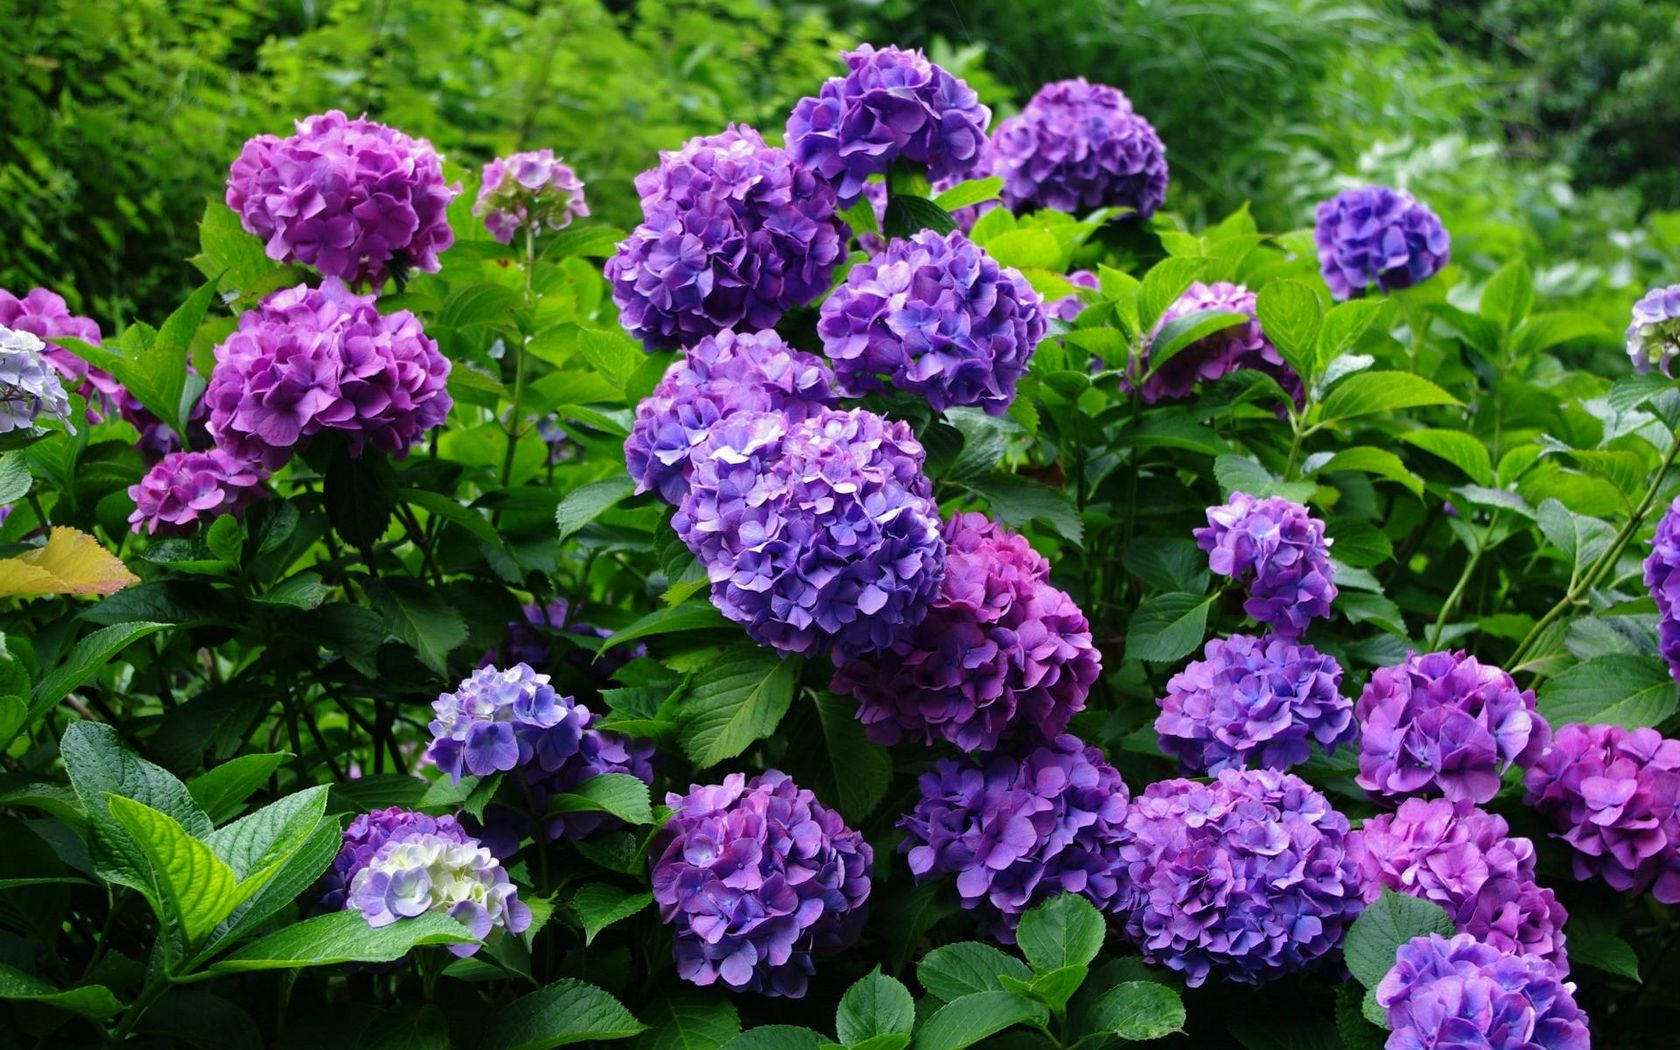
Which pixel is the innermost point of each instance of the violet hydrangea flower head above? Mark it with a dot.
(1247, 878)
(308, 360)
(417, 871)
(533, 188)
(45, 315)
(1019, 826)
(184, 490)
(733, 235)
(363, 838)
(1662, 579)
(1444, 723)
(1377, 235)
(496, 720)
(1070, 306)
(756, 879)
(891, 105)
(1278, 550)
(1653, 333)
(1001, 652)
(818, 535)
(1467, 861)
(1254, 702)
(29, 386)
(1460, 994)
(721, 374)
(1077, 146)
(1217, 354)
(353, 198)
(936, 316)
(1613, 795)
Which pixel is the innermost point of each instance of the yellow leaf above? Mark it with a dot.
(72, 562)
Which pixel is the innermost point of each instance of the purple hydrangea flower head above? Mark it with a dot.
(1070, 306)
(936, 316)
(1444, 723)
(1000, 651)
(1247, 877)
(29, 386)
(733, 235)
(45, 315)
(1217, 354)
(757, 878)
(891, 105)
(186, 489)
(721, 374)
(819, 535)
(534, 188)
(1613, 794)
(417, 871)
(315, 359)
(1254, 702)
(1375, 235)
(1663, 581)
(1079, 146)
(497, 720)
(1465, 860)
(363, 838)
(1460, 994)
(1019, 826)
(353, 198)
(1653, 333)
(1278, 550)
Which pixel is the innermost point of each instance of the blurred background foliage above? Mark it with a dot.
(1539, 127)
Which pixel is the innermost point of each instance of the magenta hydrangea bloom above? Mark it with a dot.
(186, 489)
(1218, 354)
(817, 535)
(45, 315)
(1247, 878)
(29, 386)
(721, 374)
(417, 871)
(1079, 146)
(1653, 332)
(1465, 860)
(534, 188)
(363, 838)
(1613, 794)
(936, 316)
(1278, 550)
(1444, 723)
(315, 359)
(733, 235)
(1460, 994)
(353, 198)
(1254, 702)
(757, 878)
(1375, 235)
(1070, 306)
(892, 104)
(1017, 828)
(1663, 581)
(1000, 651)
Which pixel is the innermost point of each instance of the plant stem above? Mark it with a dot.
(1457, 594)
(515, 420)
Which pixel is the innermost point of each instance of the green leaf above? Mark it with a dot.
(1346, 323)
(305, 590)
(582, 506)
(1167, 626)
(687, 616)
(1543, 331)
(1623, 689)
(14, 477)
(1165, 282)
(445, 507)
(360, 494)
(599, 905)
(417, 615)
(1359, 543)
(1240, 474)
(477, 305)
(222, 789)
(1356, 1029)
(235, 259)
(907, 215)
(1138, 1011)
(1591, 945)
(1368, 459)
(1457, 448)
(1181, 332)
(738, 698)
(1508, 294)
(1065, 930)
(255, 845)
(1389, 922)
(1168, 563)
(1364, 393)
(1053, 988)
(857, 772)
(563, 1013)
(92, 1001)
(87, 658)
(965, 194)
(189, 887)
(1290, 312)
(341, 937)
(965, 1021)
(783, 1037)
(100, 767)
(624, 796)
(875, 1005)
(690, 1020)
(281, 888)
(611, 353)
(965, 968)
(1581, 539)
(1015, 501)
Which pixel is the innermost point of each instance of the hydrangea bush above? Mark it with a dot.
(920, 586)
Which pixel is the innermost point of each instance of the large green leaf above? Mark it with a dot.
(599, 905)
(188, 885)
(1390, 921)
(565, 1012)
(1365, 393)
(1623, 689)
(1015, 501)
(856, 773)
(1167, 626)
(966, 967)
(624, 796)
(965, 1021)
(341, 937)
(262, 841)
(875, 1005)
(690, 1020)
(101, 767)
(418, 615)
(738, 698)
(1138, 1011)
(86, 659)
(92, 1001)
(1290, 313)
(583, 505)
(1456, 447)
(222, 789)
(1066, 930)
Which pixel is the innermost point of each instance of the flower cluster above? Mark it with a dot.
(418, 871)
(1653, 334)
(1016, 829)
(1663, 581)
(355, 199)
(1466, 861)
(363, 839)
(46, 316)
(719, 375)
(1375, 235)
(891, 105)
(816, 535)
(1070, 306)
(1278, 550)
(755, 878)
(1000, 651)
(1444, 723)
(534, 188)
(733, 235)
(1217, 354)
(496, 720)
(1247, 877)
(1254, 702)
(315, 359)
(184, 489)
(29, 388)
(938, 317)
(1078, 146)
(1460, 994)
(1613, 794)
